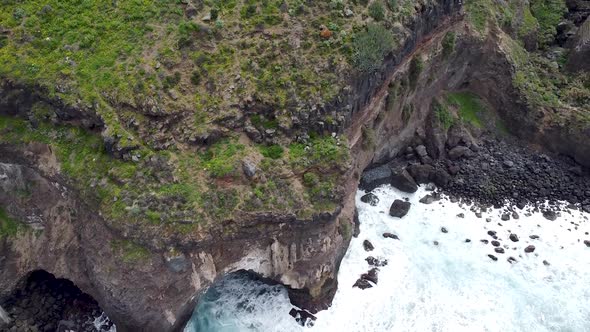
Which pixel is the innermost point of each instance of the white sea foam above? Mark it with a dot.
(452, 286)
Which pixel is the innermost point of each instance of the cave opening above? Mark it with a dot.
(43, 302)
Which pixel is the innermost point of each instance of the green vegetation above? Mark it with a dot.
(130, 252)
(416, 67)
(548, 13)
(370, 46)
(8, 226)
(222, 158)
(443, 115)
(272, 151)
(325, 152)
(468, 105)
(448, 44)
(377, 11)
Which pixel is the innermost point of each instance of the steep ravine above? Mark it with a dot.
(159, 291)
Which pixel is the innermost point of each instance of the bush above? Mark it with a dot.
(416, 66)
(376, 11)
(370, 46)
(392, 4)
(448, 44)
(310, 179)
(272, 151)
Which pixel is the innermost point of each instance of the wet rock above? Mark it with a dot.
(550, 215)
(302, 316)
(494, 258)
(430, 198)
(484, 241)
(390, 236)
(515, 215)
(505, 217)
(376, 262)
(529, 249)
(375, 177)
(399, 208)
(362, 284)
(534, 237)
(371, 275)
(587, 243)
(459, 152)
(513, 237)
(496, 243)
(435, 243)
(492, 233)
(444, 230)
(403, 181)
(370, 199)
(461, 215)
(511, 260)
(467, 240)
(546, 263)
(368, 245)
(499, 250)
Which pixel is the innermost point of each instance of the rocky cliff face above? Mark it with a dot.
(155, 286)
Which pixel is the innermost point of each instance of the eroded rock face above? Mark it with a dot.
(70, 240)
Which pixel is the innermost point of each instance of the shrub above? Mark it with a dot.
(310, 179)
(448, 44)
(392, 4)
(416, 66)
(273, 151)
(376, 11)
(370, 46)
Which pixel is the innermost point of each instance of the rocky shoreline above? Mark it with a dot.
(491, 173)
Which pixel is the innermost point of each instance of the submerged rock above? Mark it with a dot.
(368, 245)
(302, 316)
(370, 199)
(390, 236)
(375, 261)
(550, 215)
(399, 208)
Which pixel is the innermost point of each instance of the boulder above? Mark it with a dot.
(550, 215)
(494, 258)
(390, 236)
(421, 173)
(375, 177)
(249, 168)
(368, 245)
(375, 261)
(499, 250)
(441, 178)
(429, 199)
(370, 199)
(371, 275)
(513, 237)
(402, 180)
(362, 284)
(459, 152)
(399, 208)
(529, 249)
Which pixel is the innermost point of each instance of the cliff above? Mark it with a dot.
(144, 194)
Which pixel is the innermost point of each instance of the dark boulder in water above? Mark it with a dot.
(587, 243)
(529, 249)
(444, 230)
(550, 215)
(499, 250)
(302, 316)
(402, 180)
(368, 245)
(399, 208)
(375, 177)
(370, 199)
(429, 199)
(371, 275)
(390, 236)
(534, 237)
(362, 284)
(511, 260)
(496, 243)
(375, 261)
(494, 258)
(513, 237)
